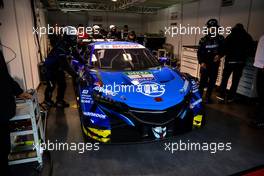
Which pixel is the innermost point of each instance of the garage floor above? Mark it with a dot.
(226, 123)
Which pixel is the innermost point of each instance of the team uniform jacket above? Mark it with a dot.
(209, 47)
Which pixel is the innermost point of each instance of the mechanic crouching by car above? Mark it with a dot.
(56, 63)
(9, 89)
(237, 48)
(209, 53)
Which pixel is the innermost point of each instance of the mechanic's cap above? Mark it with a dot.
(212, 23)
(96, 27)
(111, 27)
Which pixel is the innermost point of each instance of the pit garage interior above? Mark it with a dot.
(228, 123)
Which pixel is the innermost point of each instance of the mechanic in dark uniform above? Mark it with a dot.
(56, 63)
(209, 54)
(9, 89)
(237, 48)
(132, 37)
(113, 33)
(54, 39)
(124, 32)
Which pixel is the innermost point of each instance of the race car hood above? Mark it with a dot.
(153, 89)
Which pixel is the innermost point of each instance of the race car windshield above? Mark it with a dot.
(124, 59)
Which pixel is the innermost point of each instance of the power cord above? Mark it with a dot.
(11, 51)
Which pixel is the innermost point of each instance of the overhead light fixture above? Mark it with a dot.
(113, 0)
(70, 10)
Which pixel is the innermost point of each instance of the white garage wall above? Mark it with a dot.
(256, 16)
(248, 12)
(17, 33)
(42, 22)
(134, 21)
(9, 37)
(155, 22)
(174, 40)
(17, 22)
(238, 13)
(190, 18)
(34, 58)
(24, 41)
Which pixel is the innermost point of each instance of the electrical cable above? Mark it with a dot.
(11, 51)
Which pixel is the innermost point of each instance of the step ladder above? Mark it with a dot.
(27, 131)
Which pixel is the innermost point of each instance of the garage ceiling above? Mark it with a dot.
(162, 4)
(135, 6)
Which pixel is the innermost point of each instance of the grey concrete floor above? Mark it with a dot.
(225, 123)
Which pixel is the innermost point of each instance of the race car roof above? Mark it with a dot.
(117, 45)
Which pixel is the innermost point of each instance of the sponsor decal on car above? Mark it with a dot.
(140, 76)
(85, 91)
(119, 46)
(86, 97)
(92, 114)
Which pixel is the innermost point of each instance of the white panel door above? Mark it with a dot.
(238, 13)
(256, 27)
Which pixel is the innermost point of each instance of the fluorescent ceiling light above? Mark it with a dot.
(70, 10)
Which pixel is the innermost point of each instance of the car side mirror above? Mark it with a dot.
(163, 60)
(75, 62)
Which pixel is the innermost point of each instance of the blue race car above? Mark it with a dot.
(125, 95)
